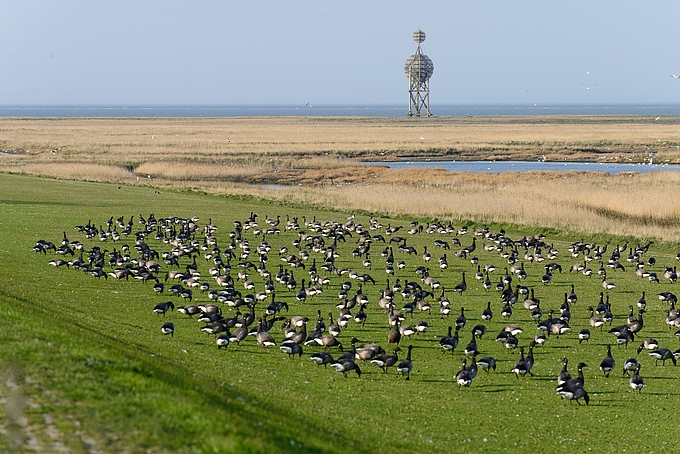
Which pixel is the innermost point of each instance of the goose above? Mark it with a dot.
(636, 381)
(537, 313)
(487, 314)
(333, 328)
(168, 328)
(301, 294)
(642, 303)
(321, 358)
(449, 343)
(328, 341)
(406, 365)
(479, 330)
(521, 367)
(463, 377)
(530, 302)
(410, 308)
(238, 335)
(486, 363)
(162, 308)
(298, 337)
(394, 337)
(624, 337)
(583, 335)
(649, 344)
(511, 341)
(460, 288)
(222, 341)
(263, 337)
(189, 310)
(540, 339)
(547, 277)
(345, 367)
(506, 278)
(573, 389)
(208, 316)
(564, 375)
(594, 320)
(513, 329)
(663, 354)
(291, 348)
(629, 366)
(558, 327)
(461, 320)
(360, 316)
(122, 273)
(186, 294)
(472, 368)
(471, 348)
(406, 330)
(635, 325)
(608, 315)
(422, 326)
(601, 307)
(608, 285)
(386, 361)
(425, 306)
(487, 282)
(667, 296)
(572, 297)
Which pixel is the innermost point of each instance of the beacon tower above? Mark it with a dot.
(419, 69)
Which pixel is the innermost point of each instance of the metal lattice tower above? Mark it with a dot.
(419, 68)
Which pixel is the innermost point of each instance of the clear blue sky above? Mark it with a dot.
(340, 52)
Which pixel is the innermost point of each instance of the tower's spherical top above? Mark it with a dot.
(419, 36)
(419, 68)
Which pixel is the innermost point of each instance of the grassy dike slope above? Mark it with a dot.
(84, 364)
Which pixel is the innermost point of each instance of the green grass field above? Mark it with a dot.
(86, 368)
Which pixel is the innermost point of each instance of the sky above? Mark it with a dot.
(168, 52)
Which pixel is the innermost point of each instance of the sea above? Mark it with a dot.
(206, 111)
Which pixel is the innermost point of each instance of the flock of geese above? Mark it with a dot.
(237, 275)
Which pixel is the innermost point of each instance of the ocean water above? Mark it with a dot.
(333, 110)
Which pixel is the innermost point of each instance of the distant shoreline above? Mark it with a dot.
(391, 111)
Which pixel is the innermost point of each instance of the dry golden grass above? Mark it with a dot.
(317, 157)
(134, 141)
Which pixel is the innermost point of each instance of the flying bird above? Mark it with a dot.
(587, 87)
(675, 76)
(308, 104)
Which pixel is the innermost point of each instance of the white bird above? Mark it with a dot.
(308, 104)
(587, 87)
(422, 138)
(588, 72)
(657, 119)
(675, 76)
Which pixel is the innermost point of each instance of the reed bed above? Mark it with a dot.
(318, 160)
(133, 141)
(572, 202)
(81, 171)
